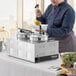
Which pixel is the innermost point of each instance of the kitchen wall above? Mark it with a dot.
(8, 18)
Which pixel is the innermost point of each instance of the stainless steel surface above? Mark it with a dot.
(23, 33)
(33, 50)
(38, 37)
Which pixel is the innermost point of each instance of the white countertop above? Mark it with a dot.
(43, 66)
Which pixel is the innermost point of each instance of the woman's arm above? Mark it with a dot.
(67, 25)
(43, 17)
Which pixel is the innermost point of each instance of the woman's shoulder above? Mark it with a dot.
(68, 6)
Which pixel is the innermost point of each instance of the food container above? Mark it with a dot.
(68, 58)
(44, 26)
(38, 37)
(23, 34)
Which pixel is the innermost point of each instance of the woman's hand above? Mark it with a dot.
(38, 13)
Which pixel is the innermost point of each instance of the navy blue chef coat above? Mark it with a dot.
(60, 19)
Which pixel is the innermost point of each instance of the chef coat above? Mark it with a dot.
(60, 20)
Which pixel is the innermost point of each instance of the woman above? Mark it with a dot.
(60, 18)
